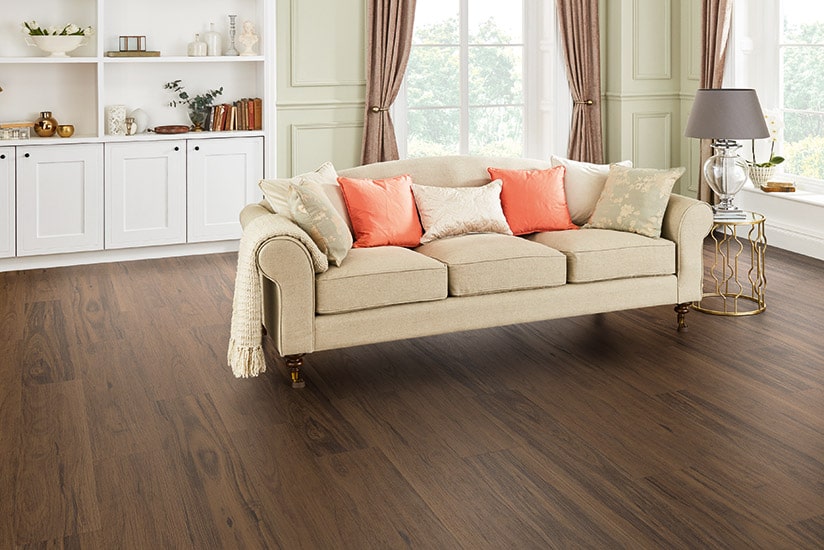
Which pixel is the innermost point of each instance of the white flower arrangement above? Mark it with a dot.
(774, 125)
(33, 29)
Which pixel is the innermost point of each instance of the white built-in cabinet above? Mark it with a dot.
(98, 192)
(145, 193)
(172, 192)
(59, 199)
(222, 179)
(7, 202)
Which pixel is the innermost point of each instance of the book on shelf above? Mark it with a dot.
(243, 114)
(258, 121)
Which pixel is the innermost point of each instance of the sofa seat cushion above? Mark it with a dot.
(603, 254)
(377, 277)
(488, 263)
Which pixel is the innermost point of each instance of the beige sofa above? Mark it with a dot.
(472, 281)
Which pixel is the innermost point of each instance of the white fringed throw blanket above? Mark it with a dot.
(245, 352)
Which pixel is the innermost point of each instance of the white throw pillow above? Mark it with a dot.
(276, 191)
(448, 211)
(583, 183)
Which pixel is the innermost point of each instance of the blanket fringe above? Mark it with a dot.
(246, 361)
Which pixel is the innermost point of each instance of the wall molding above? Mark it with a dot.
(639, 72)
(296, 129)
(637, 120)
(641, 96)
(321, 104)
(295, 80)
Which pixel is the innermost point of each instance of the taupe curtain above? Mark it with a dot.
(716, 21)
(578, 21)
(387, 52)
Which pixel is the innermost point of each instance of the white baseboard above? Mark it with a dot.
(119, 255)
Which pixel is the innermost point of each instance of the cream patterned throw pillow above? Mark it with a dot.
(634, 200)
(583, 183)
(448, 211)
(276, 191)
(311, 209)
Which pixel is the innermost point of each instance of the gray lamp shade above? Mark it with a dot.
(726, 113)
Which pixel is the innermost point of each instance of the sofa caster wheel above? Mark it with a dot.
(682, 310)
(294, 363)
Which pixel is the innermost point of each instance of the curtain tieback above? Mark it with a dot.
(586, 102)
(376, 109)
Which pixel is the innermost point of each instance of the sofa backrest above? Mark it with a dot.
(451, 171)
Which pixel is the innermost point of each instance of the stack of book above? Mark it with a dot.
(778, 187)
(729, 215)
(243, 114)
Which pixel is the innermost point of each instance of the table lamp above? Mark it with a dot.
(724, 115)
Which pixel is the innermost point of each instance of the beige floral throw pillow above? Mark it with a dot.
(311, 209)
(634, 200)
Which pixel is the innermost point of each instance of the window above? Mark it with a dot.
(801, 58)
(466, 89)
(779, 51)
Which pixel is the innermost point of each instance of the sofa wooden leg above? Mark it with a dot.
(294, 363)
(682, 310)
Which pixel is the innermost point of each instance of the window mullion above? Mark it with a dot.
(464, 76)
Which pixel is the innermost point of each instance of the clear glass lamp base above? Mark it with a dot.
(726, 173)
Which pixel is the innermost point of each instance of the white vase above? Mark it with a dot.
(141, 119)
(213, 41)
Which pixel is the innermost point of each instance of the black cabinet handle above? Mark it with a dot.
(2, 157)
(197, 147)
(177, 148)
(27, 155)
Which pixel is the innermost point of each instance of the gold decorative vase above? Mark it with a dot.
(46, 125)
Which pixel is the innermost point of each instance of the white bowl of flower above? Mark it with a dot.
(56, 41)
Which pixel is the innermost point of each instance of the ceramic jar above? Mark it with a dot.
(213, 41)
(197, 48)
(45, 125)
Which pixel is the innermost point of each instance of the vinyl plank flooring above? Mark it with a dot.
(214, 478)
(55, 491)
(122, 427)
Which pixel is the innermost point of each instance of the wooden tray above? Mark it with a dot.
(171, 129)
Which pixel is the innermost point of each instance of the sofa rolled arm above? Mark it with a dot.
(288, 265)
(686, 222)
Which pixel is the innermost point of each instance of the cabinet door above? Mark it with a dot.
(145, 193)
(223, 177)
(7, 202)
(59, 198)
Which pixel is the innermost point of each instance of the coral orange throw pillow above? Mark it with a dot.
(534, 200)
(383, 212)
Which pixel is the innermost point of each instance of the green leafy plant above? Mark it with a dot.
(196, 103)
(70, 29)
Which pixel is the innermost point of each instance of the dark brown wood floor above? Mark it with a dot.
(121, 426)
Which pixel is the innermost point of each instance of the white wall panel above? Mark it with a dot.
(328, 43)
(651, 134)
(652, 39)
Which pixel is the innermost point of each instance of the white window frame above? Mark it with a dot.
(547, 102)
(756, 63)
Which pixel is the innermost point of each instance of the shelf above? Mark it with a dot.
(47, 60)
(145, 136)
(185, 59)
(104, 59)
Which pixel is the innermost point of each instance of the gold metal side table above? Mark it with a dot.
(740, 246)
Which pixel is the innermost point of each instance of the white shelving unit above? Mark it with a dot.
(77, 89)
